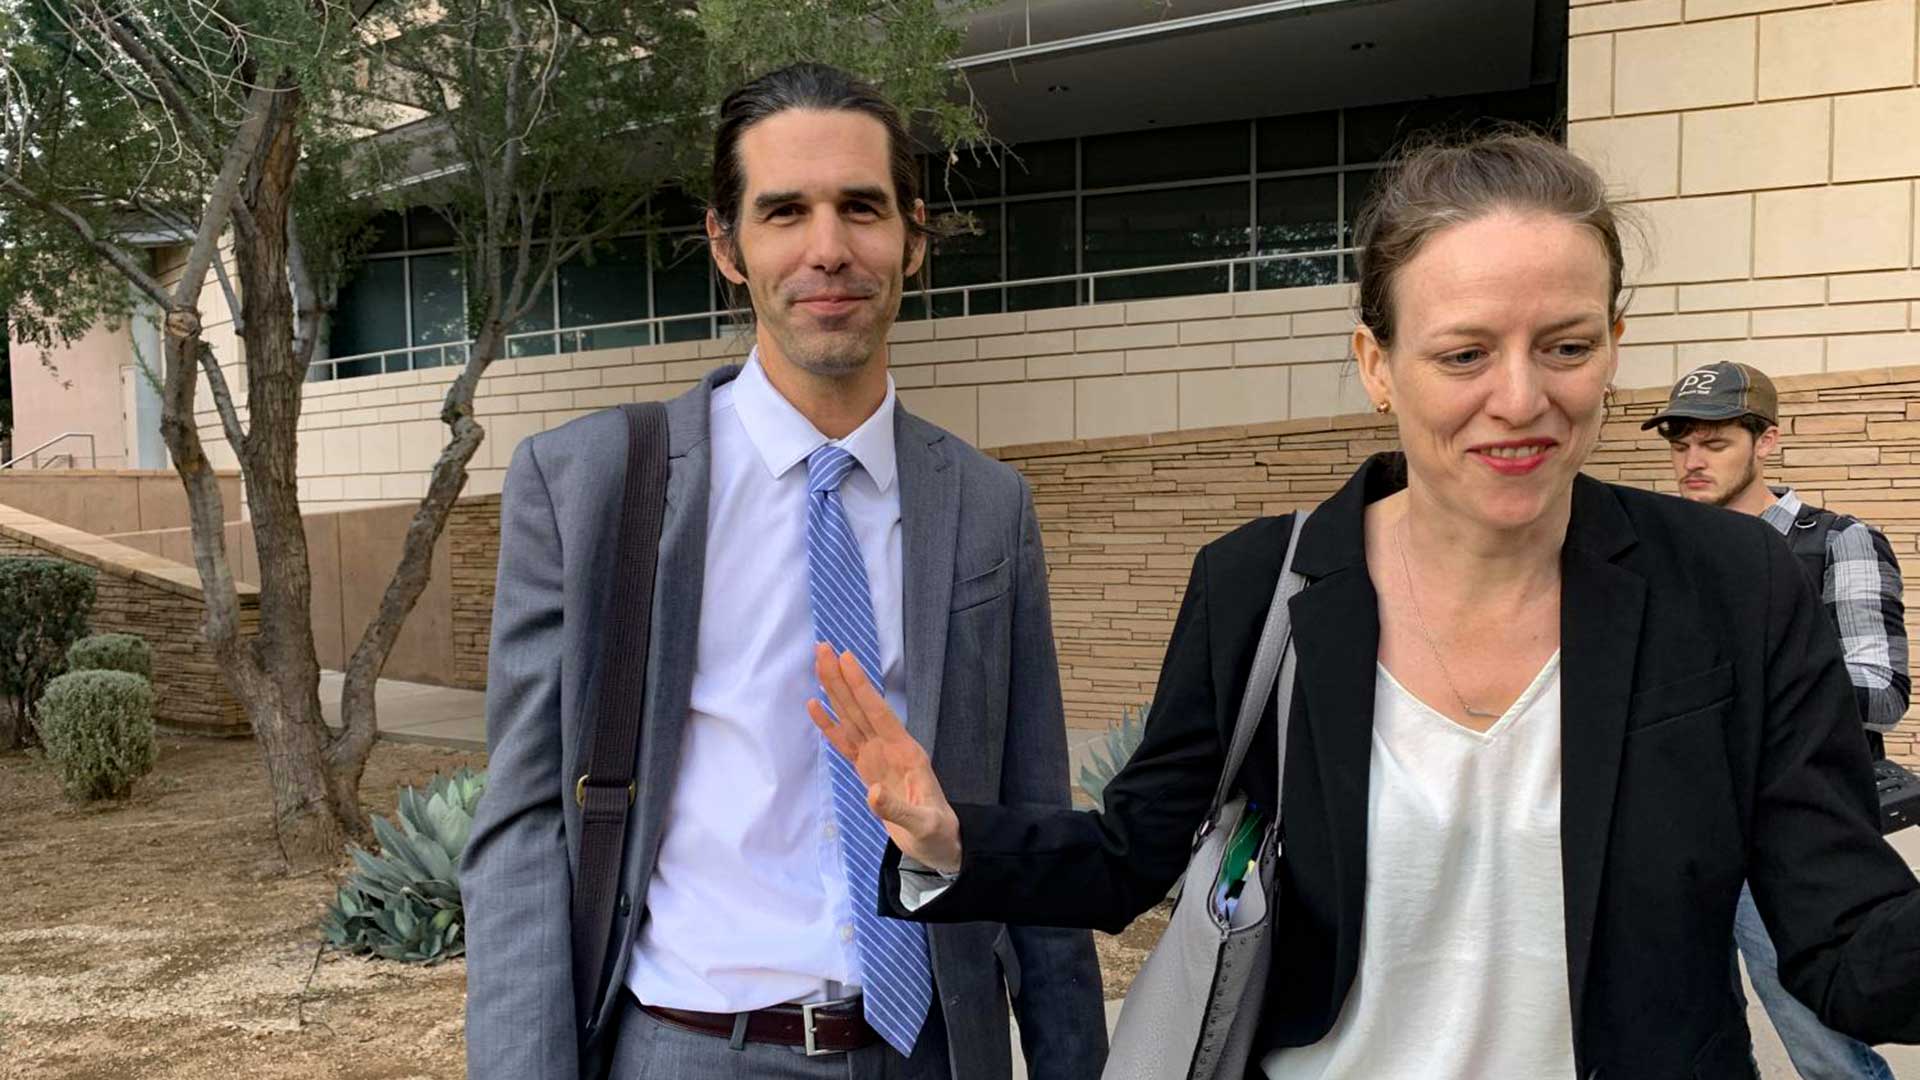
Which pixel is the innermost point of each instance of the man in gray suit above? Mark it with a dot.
(803, 504)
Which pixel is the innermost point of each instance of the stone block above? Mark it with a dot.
(1301, 298)
(1298, 350)
(340, 451)
(1840, 319)
(1651, 300)
(1323, 323)
(1590, 77)
(1252, 328)
(1028, 344)
(1622, 15)
(1075, 318)
(570, 379)
(1709, 238)
(1077, 365)
(1705, 326)
(1861, 288)
(1327, 390)
(1864, 45)
(1178, 308)
(1181, 358)
(420, 444)
(981, 371)
(1639, 155)
(931, 352)
(1694, 66)
(1775, 356)
(1237, 396)
(381, 448)
(1645, 366)
(1832, 229)
(1781, 144)
(979, 325)
(1014, 415)
(1769, 292)
(1102, 339)
(956, 408)
(1126, 405)
(1872, 351)
(1865, 143)
(1702, 10)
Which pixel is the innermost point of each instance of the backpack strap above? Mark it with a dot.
(1808, 540)
(605, 788)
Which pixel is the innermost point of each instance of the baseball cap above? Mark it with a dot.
(1718, 392)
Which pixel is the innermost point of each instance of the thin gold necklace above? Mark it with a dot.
(1428, 634)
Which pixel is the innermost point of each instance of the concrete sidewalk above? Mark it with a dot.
(443, 716)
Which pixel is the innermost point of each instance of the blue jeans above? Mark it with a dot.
(1818, 1052)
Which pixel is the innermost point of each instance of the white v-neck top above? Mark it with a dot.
(1463, 955)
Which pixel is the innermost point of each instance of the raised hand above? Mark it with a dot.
(902, 790)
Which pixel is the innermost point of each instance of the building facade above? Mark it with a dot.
(1166, 245)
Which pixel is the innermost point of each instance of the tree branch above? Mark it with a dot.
(223, 399)
(122, 260)
(220, 201)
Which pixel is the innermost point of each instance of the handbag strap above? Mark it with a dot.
(1272, 664)
(605, 790)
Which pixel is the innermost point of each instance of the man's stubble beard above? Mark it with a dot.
(1750, 477)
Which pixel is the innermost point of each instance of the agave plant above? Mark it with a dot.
(404, 903)
(1123, 739)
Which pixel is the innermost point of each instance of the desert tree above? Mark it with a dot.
(257, 139)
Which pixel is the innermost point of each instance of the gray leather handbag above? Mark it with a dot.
(1193, 1008)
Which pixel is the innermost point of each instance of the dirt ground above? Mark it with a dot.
(162, 939)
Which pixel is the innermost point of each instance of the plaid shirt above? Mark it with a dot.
(1863, 595)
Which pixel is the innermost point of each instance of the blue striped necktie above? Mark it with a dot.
(896, 975)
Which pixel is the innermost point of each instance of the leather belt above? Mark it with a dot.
(827, 1027)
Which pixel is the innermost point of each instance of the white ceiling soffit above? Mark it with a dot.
(1052, 68)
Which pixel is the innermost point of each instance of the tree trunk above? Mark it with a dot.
(315, 815)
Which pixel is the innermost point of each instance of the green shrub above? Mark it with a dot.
(404, 903)
(1123, 739)
(44, 605)
(112, 652)
(98, 727)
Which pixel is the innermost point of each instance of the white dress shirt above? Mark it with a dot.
(748, 905)
(1463, 947)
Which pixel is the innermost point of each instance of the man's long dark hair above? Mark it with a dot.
(806, 86)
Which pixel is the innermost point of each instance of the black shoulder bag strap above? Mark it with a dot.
(1808, 539)
(605, 788)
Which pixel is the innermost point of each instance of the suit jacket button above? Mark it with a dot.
(625, 904)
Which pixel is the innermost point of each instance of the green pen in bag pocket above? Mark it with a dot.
(1241, 861)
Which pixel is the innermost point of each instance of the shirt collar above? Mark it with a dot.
(1786, 507)
(784, 438)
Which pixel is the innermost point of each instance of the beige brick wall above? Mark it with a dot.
(995, 380)
(160, 600)
(1122, 516)
(1771, 149)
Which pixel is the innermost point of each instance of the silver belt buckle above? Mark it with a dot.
(806, 1028)
(807, 1009)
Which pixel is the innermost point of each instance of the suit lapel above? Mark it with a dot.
(1600, 610)
(929, 521)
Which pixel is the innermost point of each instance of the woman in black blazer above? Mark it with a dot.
(1706, 732)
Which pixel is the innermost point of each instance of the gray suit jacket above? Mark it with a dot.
(982, 690)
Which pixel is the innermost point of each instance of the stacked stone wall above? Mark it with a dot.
(137, 593)
(473, 557)
(1123, 516)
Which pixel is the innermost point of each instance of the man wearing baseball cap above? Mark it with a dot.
(1723, 422)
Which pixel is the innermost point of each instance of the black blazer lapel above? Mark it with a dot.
(1337, 636)
(1601, 605)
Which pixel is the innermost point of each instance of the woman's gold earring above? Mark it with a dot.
(1383, 408)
